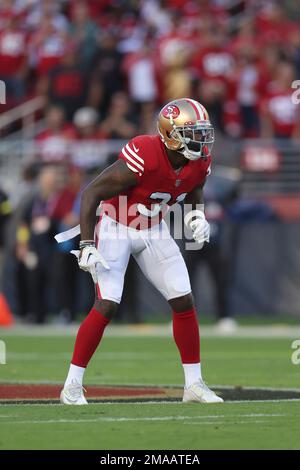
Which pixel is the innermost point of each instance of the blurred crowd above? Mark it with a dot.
(123, 59)
(104, 68)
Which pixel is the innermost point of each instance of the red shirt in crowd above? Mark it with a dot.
(279, 107)
(12, 52)
(54, 146)
(47, 52)
(215, 63)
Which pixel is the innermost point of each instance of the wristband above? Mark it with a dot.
(84, 243)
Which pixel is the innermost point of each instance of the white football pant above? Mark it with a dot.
(155, 251)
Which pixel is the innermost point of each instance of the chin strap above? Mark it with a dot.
(188, 154)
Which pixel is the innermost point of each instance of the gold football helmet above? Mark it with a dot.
(184, 126)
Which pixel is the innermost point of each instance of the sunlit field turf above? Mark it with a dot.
(146, 360)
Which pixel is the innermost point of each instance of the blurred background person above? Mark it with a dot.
(213, 66)
(13, 57)
(218, 256)
(35, 247)
(65, 266)
(67, 84)
(86, 148)
(280, 116)
(53, 143)
(107, 76)
(119, 122)
(85, 33)
(5, 213)
(46, 47)
(142, 76)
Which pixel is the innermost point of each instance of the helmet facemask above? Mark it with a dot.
(197, 140)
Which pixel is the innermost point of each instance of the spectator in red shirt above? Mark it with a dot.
(13, 60)
(280, 116)
(247, 36)
(39, 9)
(86, 151)
(212, 67)
(177, 38)
(272, 24)
(53, 144)
(47, 46)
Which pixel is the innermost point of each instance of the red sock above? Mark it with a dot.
(186, 336)
(88, 337)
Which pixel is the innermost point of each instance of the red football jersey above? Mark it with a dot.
(158, 184)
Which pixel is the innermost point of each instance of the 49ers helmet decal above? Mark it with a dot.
(184, 126)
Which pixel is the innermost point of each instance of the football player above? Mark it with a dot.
(151, 173)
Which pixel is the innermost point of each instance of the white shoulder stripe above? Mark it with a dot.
(128, 157)
(132, 168)
(134, 154)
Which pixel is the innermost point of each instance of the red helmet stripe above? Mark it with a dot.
(204, 112)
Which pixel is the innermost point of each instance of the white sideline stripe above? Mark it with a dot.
(143, 419)
(132, 168)
(230, 402)
(134, 154)
(128, 157)
(151, 330)
(9, 416)
(263, 401)
(213, 423)
(80, 421)
(251, 387)
(157, 418)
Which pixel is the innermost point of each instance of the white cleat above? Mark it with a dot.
(72, 394)
(198, 392)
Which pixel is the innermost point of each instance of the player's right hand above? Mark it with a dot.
(88, 259)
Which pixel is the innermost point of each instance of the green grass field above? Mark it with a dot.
(145, 360)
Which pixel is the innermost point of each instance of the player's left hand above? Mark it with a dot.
(201, 230)
(197, 222)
